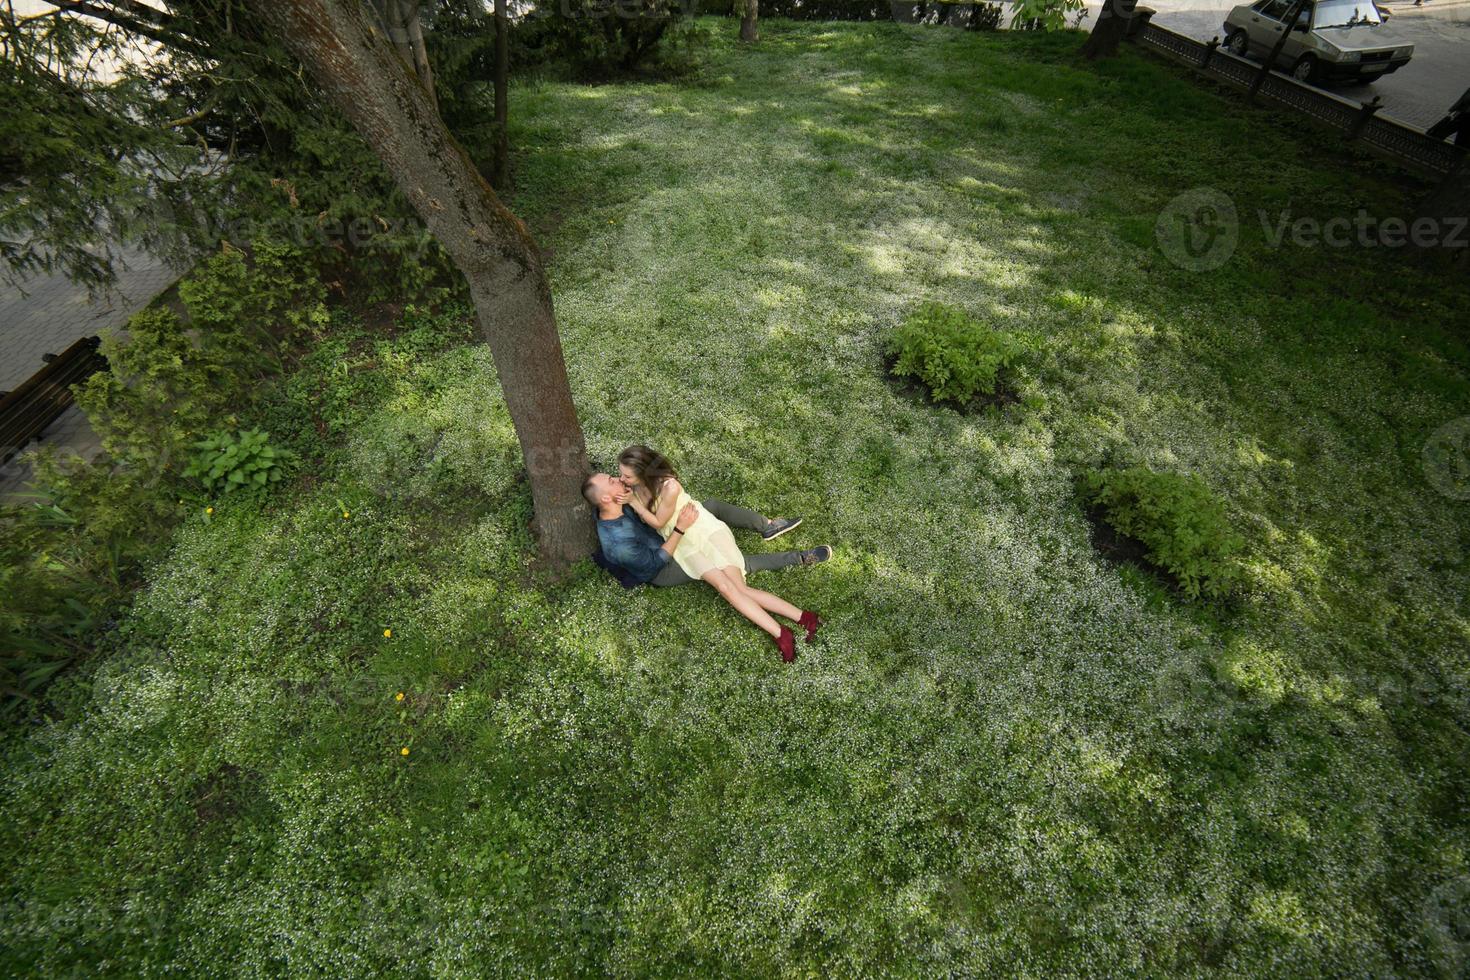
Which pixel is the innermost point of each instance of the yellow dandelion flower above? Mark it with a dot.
(398, 696)
(403, 751)
(209, 510)
(387, 632)
(345, 515)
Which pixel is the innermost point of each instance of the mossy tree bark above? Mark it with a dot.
(361, 73)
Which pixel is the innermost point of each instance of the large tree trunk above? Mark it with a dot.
(1108, 32)
(498, 173)
(748, 30)
(365, 78)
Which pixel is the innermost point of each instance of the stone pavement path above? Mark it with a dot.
(48, 316)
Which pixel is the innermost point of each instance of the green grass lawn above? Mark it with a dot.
(1006, 756)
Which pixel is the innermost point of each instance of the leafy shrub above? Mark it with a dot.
(953, 355)
(251, 309)
(955, 13)
(982, 17)
(1177, 518)
(1045, 15)
(817, 9)
(55, 586)
(979, 16)
(68, 562)
(160, 391)
(169, 380)
(601, 39)
(229, 461)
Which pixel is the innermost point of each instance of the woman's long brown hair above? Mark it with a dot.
(651, 467)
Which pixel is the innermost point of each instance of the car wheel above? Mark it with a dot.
(1238, 43)
(1305, 69)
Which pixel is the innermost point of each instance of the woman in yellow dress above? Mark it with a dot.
(707, 550)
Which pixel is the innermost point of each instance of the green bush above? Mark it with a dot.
(159, 393)
(69, 562)
(56, 585)
(251, 310)
(230, 461)
(1045, 15)
(169, 379)
(1178, 519)
(599, 40)
(951, 354)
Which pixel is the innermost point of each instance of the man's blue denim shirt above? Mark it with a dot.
(628, 542)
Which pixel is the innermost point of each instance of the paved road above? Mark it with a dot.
(1437, 75)
(1418, 93)
(47, 315)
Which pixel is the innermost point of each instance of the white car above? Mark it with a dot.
(1331, 41)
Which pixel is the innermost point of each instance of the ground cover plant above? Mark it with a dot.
(226, 461)
(955, 358)
(76, 548)
(1180, 523)
(346, 731)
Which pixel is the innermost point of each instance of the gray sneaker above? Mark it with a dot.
(779, 526)
(820, 553)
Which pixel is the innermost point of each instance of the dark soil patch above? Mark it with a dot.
(915, 390)
(1115, 547)
(224, 793)
(380, 318)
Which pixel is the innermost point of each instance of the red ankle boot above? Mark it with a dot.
(786, 643)
(810, 621)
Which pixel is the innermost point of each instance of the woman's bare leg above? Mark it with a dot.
(767, 601)
(744, 604)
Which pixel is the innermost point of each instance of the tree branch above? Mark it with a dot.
(194, 117)
(156, 25)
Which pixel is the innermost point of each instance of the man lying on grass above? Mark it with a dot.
(678, 541)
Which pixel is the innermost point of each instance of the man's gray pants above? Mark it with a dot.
(734, 516)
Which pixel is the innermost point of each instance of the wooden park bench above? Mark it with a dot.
(29, 409)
